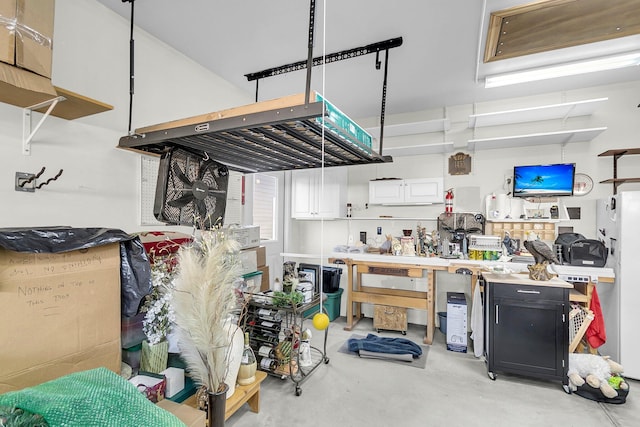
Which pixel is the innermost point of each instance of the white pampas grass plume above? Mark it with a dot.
(203, 300)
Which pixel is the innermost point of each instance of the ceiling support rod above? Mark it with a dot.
(312, 24)
(131, 66)
(384, 97)
(329, 58)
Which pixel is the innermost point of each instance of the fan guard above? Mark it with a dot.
(191, 190)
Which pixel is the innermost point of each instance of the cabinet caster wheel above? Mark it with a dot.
(377, 331)
(492, 376)
(298, 391)
(566, 388)
(404, 332)
(326, 360)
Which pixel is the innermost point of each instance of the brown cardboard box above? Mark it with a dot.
(34, 35)
(264, 285)
(23, 88)
(192, 417)
(260, 253)
(7, 31)
(60, 314)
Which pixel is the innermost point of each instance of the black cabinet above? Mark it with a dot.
(527, 327)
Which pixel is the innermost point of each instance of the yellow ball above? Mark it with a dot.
(320, 321)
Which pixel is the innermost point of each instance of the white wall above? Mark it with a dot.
(100, 183)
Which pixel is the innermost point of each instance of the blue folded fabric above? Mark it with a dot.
(389, 345)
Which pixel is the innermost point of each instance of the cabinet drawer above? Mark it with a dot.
(528, 292)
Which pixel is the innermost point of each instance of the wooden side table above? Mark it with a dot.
(243, 394)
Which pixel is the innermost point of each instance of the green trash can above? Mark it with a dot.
(332, 304)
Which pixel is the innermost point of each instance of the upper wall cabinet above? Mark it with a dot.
(313, 199)
(406, 191)
(535, 114)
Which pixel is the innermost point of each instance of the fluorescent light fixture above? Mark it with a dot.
(583, 67)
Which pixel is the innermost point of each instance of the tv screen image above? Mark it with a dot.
(543, 180)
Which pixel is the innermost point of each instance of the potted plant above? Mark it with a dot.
(203, 300)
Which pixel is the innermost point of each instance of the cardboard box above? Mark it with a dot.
(456, 322)
(60, 314)
(249, 262)
(8, 10)
(23, 88)
(34, 35)
(248, 236)
(265, 284)
(191, 416)
(260, 254)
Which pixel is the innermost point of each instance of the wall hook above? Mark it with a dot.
(26, 181)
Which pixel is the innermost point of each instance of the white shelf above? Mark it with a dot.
(534, 114)
(427, 126)
(545, 138)
(394, 218)
(417, 150)
(524, 220)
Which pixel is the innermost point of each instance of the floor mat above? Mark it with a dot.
(420, 362)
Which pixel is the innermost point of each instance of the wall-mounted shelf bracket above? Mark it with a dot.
(27, 112)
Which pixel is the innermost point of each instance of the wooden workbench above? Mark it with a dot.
(358, 294)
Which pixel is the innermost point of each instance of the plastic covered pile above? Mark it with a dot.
(135, 271)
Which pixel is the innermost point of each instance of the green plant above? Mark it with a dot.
(287, 299)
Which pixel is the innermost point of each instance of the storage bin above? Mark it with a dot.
(131, 333)
(331, 279)
(390, 318)
(442, 321)
(131, 356)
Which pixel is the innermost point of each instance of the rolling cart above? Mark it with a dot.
(275, 335)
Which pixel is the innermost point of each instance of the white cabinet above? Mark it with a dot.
(406, 191)
(311, 199)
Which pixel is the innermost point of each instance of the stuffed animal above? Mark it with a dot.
(598, 371)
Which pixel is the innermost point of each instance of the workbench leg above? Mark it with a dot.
(431, 316)
(349, 297)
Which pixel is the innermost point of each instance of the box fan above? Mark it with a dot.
(191, 190)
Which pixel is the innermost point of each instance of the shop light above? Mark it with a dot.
(583, 67)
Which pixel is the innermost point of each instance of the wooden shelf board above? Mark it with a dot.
(619, 151)
(619, 180)
(75, 105)
(534, 114)
(417, 150)
(560, 137)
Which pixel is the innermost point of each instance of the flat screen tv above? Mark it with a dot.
(543, 180)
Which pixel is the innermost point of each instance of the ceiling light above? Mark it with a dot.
(583, 67)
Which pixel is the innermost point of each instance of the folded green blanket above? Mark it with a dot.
(94, 398)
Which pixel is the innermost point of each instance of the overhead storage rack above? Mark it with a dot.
(283, 134)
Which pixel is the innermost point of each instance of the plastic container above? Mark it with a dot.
(331, 279)
(131, 333)
(332, 304)
(131, 356)
(442, 321)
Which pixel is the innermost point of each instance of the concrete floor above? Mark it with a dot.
(453, 390)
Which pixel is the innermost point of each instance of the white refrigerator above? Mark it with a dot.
(618, 226)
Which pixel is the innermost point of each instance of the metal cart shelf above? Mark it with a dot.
(273, 328)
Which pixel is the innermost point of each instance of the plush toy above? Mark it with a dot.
(598, 371)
